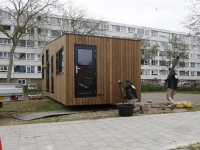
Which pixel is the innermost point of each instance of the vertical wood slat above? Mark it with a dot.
(116, 59)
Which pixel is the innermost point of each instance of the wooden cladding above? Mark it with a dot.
(116, 59)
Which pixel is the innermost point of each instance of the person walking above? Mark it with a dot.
(172, 88)
(131, 94)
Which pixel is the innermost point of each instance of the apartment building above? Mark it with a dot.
(27, 57)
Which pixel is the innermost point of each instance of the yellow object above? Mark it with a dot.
(19, 91)
(183, 104)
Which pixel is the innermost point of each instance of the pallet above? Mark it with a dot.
(35, 97)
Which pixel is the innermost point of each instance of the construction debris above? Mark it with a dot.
(35, 97)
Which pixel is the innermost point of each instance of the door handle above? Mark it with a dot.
(77, 69)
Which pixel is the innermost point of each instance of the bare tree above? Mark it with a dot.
(77, 20)
(176, 47)
(192, 21)
(148, 51)
(23, 14)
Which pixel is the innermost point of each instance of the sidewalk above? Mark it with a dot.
(151, 132)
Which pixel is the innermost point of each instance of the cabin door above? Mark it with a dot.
(85, 71)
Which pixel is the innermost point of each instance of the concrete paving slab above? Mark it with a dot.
(161, 131)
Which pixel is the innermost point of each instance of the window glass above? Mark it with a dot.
(162, 53)
(162, 72)
(60, 61)
(20, 69)
(140, 31)
(116, 28)
(19, 56)
(131, 30)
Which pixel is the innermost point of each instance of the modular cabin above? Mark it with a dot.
(84, 70)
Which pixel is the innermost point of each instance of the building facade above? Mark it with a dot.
(27, 57)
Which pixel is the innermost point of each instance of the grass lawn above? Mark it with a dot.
(195, 146)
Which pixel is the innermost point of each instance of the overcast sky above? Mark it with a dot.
(162, 14)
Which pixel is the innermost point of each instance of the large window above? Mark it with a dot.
(105, 26)
(154, 33)
(193, 65)
(198, 73)
(59, 61)
(19, 56)
(162, 72)
(4, 55)
(162, 53)
(3, 68)
(163, 44)
(30, 56)
(20, 69)
(182, 73)
(115, 28)
(30, 69)
(154, 72)
(131, 30)
(5, 42)
(192, 56)
(140, 31)
(198, 65)
(163, 34)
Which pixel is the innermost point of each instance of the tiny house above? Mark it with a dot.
(84, 70)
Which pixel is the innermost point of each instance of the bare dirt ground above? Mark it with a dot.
(101, 111)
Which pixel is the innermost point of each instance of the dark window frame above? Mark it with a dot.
(59, 59)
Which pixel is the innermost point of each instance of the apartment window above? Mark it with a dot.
(5, 42)
(4, 55)
(65, 22)
(30, 69)
(131, 30)
(3, 68)
(54, 20)
(198, 73)
(115, 28)
(42, 31)
(105, 26)
(20, 69)
(168, 63)
(198, 56)
(55, 33)
(22, 81)
(41, 44)
(181, 36)
(146, 32)
(182, 73)
(163, 34)
(19, 56)
(192, 65)
(162, 72)
(154, 42)
(30, 43)
(192, 56)
(146, 62)
(174, 35)
(145, 72)
(186, 64)
(181, 64)
(30, 56)
(154, 72)
(122, 29)
(154, 33)
(162, 53)
(21, 43)
(193, 73)
(198, 65)
(140, 31)
(59, 61)
(7, 28)
(163, 44)
(154, 62)
(187, 73)
(155, 52)
(39, 69)
(38, 56)
(30, 31)
(162, 63)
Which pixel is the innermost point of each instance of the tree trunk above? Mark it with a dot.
(10, 63)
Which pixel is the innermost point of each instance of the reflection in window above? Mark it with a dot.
(116, 28)
(20, 69)
(20, 56)
(60, 61)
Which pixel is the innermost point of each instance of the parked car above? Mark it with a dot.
(185, 84)
(32, 86)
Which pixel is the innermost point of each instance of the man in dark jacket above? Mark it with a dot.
(131, 94)
(172, 87)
